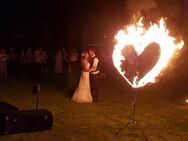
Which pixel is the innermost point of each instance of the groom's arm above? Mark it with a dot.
(95, 64)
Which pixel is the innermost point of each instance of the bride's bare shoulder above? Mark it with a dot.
(85, 61)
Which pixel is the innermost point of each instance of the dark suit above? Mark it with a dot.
(93, 80)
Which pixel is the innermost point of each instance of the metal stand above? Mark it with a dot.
(37, 100)
(36, 91)
(133, 124)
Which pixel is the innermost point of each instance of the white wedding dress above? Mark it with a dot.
(83, 92)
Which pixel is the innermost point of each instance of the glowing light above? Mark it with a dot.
(139, 37)
(186, 101)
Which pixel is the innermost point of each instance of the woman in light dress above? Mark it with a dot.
(83, 93)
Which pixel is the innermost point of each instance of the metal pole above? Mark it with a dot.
(136, 92)
(37, 102)
(134, 106)
(37, 95)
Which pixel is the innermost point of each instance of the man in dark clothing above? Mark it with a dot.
(94, 71)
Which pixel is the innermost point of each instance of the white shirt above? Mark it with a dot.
(95, 65)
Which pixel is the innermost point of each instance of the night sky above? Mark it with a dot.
(77, 23)
(57, 24)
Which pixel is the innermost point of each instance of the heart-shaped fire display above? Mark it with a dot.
(133, 42)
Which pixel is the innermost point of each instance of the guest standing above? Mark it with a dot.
(3, 63)
(13, 62)
(65, 60)
(58, 62)
(22, 61)
(74, 69)
(44, 62)
(29, 62)
(38, 64)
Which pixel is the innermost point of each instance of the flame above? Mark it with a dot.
(186, 100)
(140, 37)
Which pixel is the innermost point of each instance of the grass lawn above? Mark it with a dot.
(161, 112)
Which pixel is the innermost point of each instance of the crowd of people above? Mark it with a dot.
(83, 69)
(38, 62)
(41, 62)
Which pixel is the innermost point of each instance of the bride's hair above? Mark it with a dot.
(83, 58)
(83, 54)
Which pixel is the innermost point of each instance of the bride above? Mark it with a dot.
(83, 93)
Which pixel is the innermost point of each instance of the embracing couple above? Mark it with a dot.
(86, 92)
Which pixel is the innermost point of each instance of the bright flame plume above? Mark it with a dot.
(139, 37)
(186, 101)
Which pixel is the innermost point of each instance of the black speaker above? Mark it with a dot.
(19, 121)
(6, 107)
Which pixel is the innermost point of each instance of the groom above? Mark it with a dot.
(94, 71)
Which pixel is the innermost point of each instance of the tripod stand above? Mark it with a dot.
(133, 123)
(36, 91)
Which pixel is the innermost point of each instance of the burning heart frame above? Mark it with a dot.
(139, 37)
